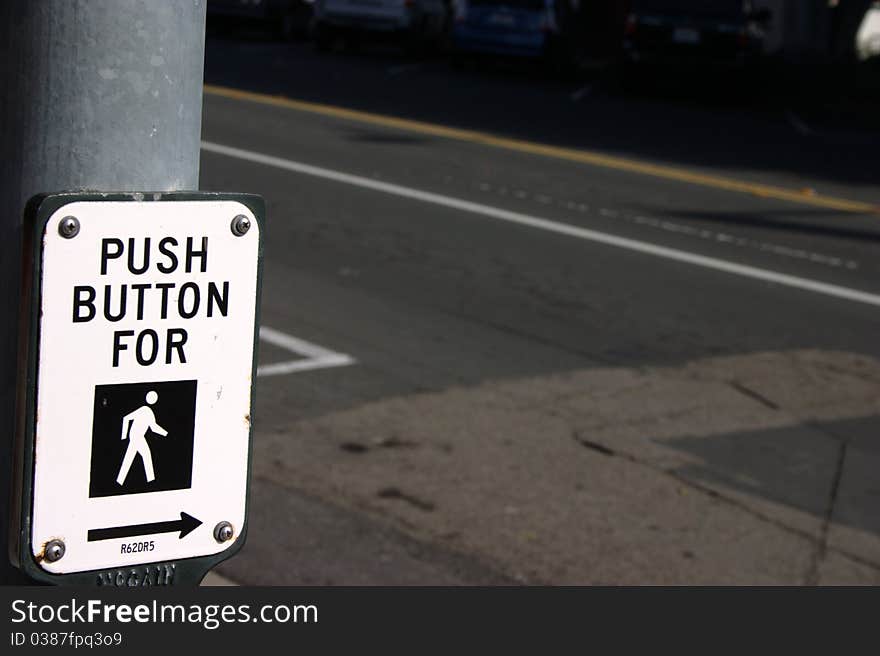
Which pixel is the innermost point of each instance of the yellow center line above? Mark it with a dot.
(593, 158)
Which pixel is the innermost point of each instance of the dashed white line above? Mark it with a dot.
(776, 249)
(313, 355)
(556, 227)
(680, 228)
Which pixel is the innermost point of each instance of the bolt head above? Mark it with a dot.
(55, 550)
(223, 532)
(240, 225)
(68, 227)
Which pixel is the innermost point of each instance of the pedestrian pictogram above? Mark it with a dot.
(142, 437)
(134, 429)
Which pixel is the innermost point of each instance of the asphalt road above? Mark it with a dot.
(489, 362)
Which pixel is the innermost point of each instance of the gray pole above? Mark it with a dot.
(96, 94)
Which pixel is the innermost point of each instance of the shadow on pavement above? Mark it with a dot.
(740, 129)
(827, 470)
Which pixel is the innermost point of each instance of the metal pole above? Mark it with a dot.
(95, 94)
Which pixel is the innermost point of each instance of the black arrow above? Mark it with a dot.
(186, 525)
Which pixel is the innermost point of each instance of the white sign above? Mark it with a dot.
(143, 400)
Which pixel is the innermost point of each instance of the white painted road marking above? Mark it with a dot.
(701, 233)
(313, 356)
(547, 225)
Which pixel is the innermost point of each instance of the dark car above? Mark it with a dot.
(542, 29)
(716, 33)
(288, 19)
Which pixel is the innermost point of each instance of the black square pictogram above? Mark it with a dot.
(142, 437)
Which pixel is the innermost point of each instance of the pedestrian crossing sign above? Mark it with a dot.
(137, 431)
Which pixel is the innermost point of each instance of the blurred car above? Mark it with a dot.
(524, 28)
(868, 35)
(286, 18)
(697, 32)
(416, 24)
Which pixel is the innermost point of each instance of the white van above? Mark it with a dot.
(417, 24)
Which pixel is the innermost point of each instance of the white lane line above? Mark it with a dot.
(547, 225)
(313, 356)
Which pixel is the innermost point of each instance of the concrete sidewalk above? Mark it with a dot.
(213, 579)
(755, 469)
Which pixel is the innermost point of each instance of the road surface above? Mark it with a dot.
(530, 331)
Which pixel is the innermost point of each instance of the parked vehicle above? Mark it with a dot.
(288, 19)
(868, 35)
(523, 28)
(416, 24)
(723, 33)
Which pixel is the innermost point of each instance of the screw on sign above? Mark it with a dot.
(69, 227)
(223, 532)
(240, 225)
(54, 550)
(145, 426)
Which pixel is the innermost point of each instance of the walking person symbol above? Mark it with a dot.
(134, 428)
